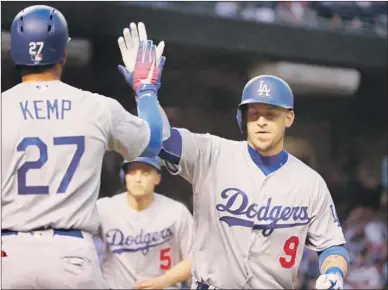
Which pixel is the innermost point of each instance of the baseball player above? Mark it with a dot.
(147, 237)
(255, 205)
(53, 140)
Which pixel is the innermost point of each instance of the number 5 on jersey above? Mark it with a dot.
(23, 188)
(165, 259)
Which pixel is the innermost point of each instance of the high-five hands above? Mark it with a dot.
(142, 59)
(143, 69)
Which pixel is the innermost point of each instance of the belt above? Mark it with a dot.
(59, 232)
(203, 286)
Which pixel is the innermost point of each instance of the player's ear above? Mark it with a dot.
(290, 117)
(158, 178)
(64, 57)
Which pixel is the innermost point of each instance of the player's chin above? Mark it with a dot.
(262, 145)
(137, 192)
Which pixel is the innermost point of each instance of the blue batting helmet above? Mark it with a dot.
(39, 36)
(154, 162)
(265, 89)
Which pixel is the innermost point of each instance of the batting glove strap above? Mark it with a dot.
(143, 88)
(329, 281)
(147, 90)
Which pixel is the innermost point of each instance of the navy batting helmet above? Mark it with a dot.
(39, 36)
(265, 89)
(154, 162)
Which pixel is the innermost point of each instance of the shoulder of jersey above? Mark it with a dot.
(225, 142)
(229, 146)
(211, 137)
(12, 94)
(72, 90)
(96, 96)
(7, 93)
(169, 202)
(110, 201)
(304, 171)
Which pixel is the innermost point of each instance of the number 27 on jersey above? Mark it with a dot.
(77, 141)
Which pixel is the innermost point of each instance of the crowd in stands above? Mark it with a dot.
(351, 16)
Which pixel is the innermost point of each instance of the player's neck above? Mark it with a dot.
(53, 74)
(41, 77)
(140, 204)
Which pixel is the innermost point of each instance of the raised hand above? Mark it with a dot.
(129, 46)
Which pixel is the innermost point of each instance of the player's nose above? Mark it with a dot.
(137, 176)
(261, 121)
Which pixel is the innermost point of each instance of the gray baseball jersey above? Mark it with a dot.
(145, 244)
(251, 227)
(53, 140)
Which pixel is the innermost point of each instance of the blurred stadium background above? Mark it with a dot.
(334, 55)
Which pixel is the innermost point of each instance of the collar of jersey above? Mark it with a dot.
(268, 164)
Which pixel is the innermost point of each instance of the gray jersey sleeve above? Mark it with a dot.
(186, 233)
(325, 231)
(129, 134)
(196, 157)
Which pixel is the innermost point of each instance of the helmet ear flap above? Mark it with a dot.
(242, 117)
(122, 176)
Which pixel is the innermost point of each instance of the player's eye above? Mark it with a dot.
(271, 114)
(253, 114)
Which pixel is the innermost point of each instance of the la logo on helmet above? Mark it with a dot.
(263, 89)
